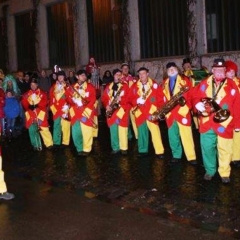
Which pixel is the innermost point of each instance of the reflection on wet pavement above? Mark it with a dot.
(149, 185)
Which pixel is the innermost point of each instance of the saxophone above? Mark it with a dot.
(114, 103)
(177, 99)
(144, 97)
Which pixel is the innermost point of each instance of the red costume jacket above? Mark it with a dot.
(228, 97)
(2, 103)
(154, 99)
(87, 95)
(179, 113)
(37, 115)
(120, 115)
(58, 99)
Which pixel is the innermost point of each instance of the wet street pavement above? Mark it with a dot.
(175, 192)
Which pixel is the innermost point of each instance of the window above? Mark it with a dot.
(223, 25)
(60, 35)
(25, 39)
(3, 44)
(163, 28)
(105, 30)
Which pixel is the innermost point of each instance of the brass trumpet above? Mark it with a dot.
(211, 106)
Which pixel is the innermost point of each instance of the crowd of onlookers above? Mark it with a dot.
(13, 86)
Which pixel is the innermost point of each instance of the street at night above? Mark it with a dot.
(175, 195)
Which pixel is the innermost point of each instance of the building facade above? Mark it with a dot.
(38, 34)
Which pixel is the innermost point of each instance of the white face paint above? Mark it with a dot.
(230, 74)
(219, 72)
(172, 71)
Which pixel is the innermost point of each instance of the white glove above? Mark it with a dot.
(59, 87)
(200, 107)
(64, 115)
(65, 108)
(78, 102)
(140, 100)
(34, 97)
(80, 91)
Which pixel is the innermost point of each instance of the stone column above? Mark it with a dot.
(43, 38)
(134, 31)
(12, 48)
(201, 30)
(80, 33)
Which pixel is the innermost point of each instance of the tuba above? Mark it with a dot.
(211, 106)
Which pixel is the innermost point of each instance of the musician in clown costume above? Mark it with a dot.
(60, 111)
(179, 118)
(129, 79)
(81, 97)
(145, 99)
(35, 104)
(115, 100)
(216, 126)
(231, 73)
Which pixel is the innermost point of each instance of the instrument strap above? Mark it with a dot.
(214, 94)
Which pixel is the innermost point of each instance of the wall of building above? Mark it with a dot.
(156, 66)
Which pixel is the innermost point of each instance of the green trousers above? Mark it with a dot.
(34, 135)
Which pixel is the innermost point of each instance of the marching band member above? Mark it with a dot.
(35, 104)
(217, 120)
(179, 118)
(82, 96)
(115, 100)
(129, 79)
(231, 72)
(4, 194)
(60, 111)
(187, 71)
(144, 97)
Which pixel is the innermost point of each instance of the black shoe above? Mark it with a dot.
(207, 177)
(160, 156)
(56, 145)
(50, 148)
(225, 180)
(193, 162)
(175, 160)
(142, 155)
(80, 153)
(114, 152)
(37, 149)
(7, 196)
(85, 154)
(124, 152)
(236, 163)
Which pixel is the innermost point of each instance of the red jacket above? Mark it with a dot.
(154, 99)
(57, 99)
(87, 94)
(179, 113)
(228, 98)
(38, 115)
(120, 116)
(2, 103)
